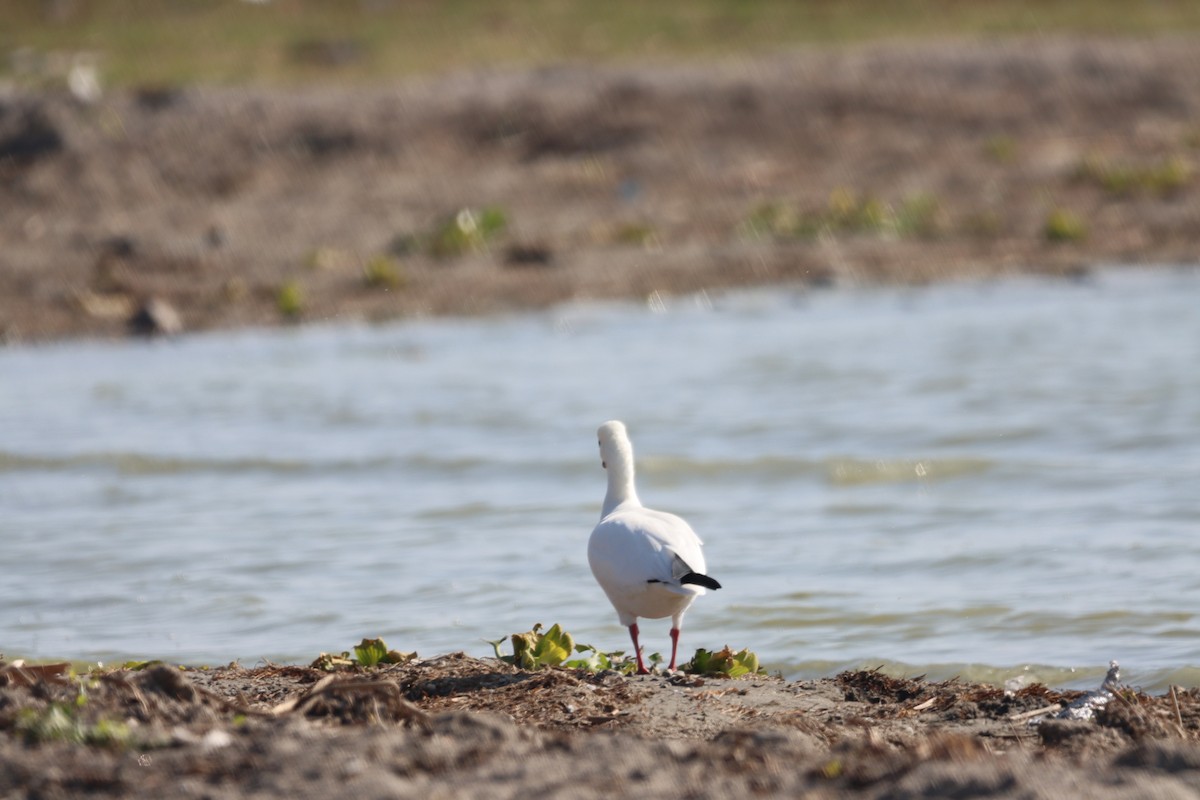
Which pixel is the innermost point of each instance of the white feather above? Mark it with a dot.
(638, 555)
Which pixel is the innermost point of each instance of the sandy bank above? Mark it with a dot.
(456, 726)
(896, 163)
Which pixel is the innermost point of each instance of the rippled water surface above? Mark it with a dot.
(990, 480)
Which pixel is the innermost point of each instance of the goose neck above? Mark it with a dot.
(621, 489)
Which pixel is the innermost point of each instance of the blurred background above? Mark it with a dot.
(897, 298)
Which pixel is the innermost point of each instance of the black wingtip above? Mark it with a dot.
(700, 580)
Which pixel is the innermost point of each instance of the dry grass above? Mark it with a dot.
(145, 42)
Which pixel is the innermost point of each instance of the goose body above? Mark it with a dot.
(649, 563)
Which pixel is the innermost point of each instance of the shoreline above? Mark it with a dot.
(892, 163)
(457, 726)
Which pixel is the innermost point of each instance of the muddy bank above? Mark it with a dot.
(489, 192)
(456, 726)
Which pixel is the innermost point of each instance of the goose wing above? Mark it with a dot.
(638, 546)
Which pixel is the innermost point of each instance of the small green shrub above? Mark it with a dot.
(370, 652)
(918, 216)
(467, 231)
(1064, 226)
(382, 272)
(290, 300)
(1161, 177)
(59, 722)
(1168, 176)
(639, 234)
(772, 219)
(724, 663)
(535, 650)
(367, 653)
(847, 212)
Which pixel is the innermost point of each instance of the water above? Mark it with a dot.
(995, 480)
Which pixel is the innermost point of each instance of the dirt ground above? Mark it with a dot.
(902, 162)
(890, 163)
(457, 726)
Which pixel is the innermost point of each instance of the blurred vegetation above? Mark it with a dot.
(1161, 177)
(466, 231)
(383, 272)
(1063, 225)
(151, 42)
(289, 299)
(917, 215)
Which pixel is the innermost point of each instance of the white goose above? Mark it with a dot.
(649, 563)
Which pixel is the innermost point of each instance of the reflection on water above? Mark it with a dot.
(986, 480)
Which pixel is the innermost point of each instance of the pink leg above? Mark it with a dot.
(633, 634)
(674, 647)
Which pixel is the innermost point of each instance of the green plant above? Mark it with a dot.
(468, 230)
(536, 650)
(370, 652)
(918, 216)
(381, 271)
(367, 653)
(635, 233)
(772, 219)
(60, 722)
(724, 663)
(1160, 177)
(1064, 226)
(1167, 176)
(846, 211)
(290, 300)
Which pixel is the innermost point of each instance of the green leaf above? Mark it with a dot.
(535, 650)
(468, 230)
(595, 662)
(496, 648)
(553, 647)
(382, 272)
(289, 299)
(370, 652)
(492, 220)
(523, 644)
(724, 663)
